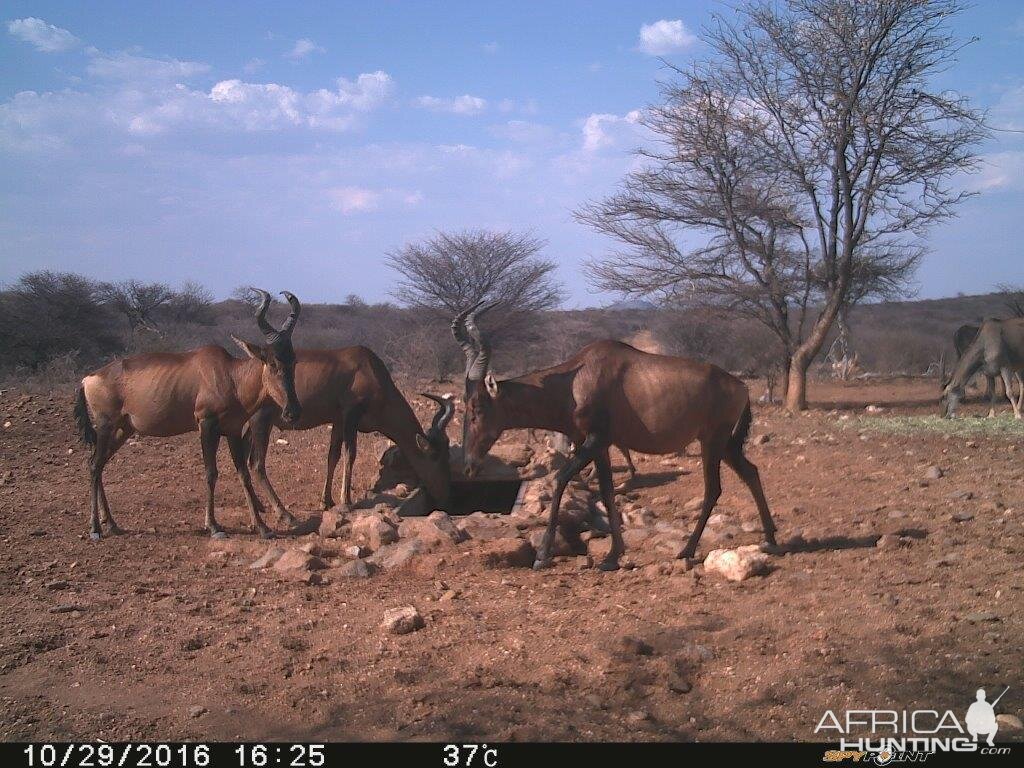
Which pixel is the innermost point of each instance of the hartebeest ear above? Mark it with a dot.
(492, 385)
(255, 351)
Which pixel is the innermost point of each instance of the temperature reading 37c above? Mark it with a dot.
(470, 755)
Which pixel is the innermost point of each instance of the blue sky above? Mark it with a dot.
(293, 145)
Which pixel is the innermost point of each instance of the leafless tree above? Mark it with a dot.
(810, 152)
(451, 271)
(192, 303)
(137, 302)
(1013, 298)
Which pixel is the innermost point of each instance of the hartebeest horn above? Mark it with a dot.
(289, 323)
(261, 312)
(474, 345)
(445, 412)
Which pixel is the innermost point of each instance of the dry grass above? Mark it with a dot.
(1002, 425)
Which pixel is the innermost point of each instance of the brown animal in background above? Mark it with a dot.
(997, 349)
(165, 394)
(608, 394)
(352, 390)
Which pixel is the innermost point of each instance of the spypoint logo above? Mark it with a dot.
(885, 736)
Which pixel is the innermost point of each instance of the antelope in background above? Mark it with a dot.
(610, 393)
(962, 338)
(997, 350)
(352, 390)
(163, 394)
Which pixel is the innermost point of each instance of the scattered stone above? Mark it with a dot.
(281, 441)
(638, 716)
(374, 530)
(449, 595)
(888, 541)
(57, 585)
(583, 562)
(737, 564)
(402, 621)
(933, 473)
(196, 711)
(271, 556)
(694, 504)
(507, 553)
(962, 517)
(356, 569)
(355, 551)
(561, 546)
(875, 409)
(436, 529)
(760, 439)
(332, 524)
(393, 556)
(297, 561)
(981, 617)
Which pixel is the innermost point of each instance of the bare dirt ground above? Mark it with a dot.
(164, 634)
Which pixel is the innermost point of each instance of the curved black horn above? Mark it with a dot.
(445, 412)
(482, 362)
(261, 312)
(289, 323)
(469, 348)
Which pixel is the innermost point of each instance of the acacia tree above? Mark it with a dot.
(453, 270)
(137, 301)
(840, 152)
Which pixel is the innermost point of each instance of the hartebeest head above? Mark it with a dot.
(480, 427)
(433, 465)
(277, 355)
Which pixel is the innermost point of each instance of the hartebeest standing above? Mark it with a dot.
(164, 394)
(610, 393)
(352, 390)
(962, 338)
(997, 350)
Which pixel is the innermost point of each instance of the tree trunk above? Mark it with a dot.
(796, 385)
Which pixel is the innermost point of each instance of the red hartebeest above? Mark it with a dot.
(164, 394)
(610, 393)
(352, 390)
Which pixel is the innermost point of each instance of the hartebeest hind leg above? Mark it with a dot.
(100, 456)
(116, 441)
(711, 461)
(581, 457)
(210, 439)
(238, 456)
(349, 435)
(333, 454)
(748, 473)
(604, 478)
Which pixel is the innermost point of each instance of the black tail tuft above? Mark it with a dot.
(86, 432)
(741, 430)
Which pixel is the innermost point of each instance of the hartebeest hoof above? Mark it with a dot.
(608, 565)
(327, 504)
(95, 536)
(218, 534)
(266, 533)
(540, 564)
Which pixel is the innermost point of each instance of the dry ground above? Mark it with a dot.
(163, 634)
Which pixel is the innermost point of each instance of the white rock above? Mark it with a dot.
(737, 564)
(402, 621)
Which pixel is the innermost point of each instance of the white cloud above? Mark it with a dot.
(44, 36)
(253, 65)
(130, 67)
(664, 37)
(351, 200)
(491, 47)
(522, 132)
(460, 105)
(1003, 171)
(604, 130)
(302, 49)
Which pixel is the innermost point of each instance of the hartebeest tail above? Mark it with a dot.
(166, 394)
(610, 393)
(86, 432)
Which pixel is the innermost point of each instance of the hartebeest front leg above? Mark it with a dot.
(583, 455)
(333, 454)
(100, 454)
(259, 440)
(209, 436)
(239, 451)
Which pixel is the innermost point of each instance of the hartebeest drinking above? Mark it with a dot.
(997, 350)
(163, 394)
(352, 390)
(610, 393)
